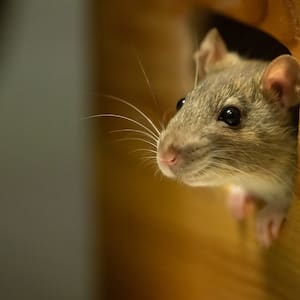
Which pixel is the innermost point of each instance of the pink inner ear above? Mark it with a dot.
(281, 87)
(218, 49)
(221, 49)
(282, 77)
(211, 50)
(278, 88)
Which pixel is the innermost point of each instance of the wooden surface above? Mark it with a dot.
(160, 239)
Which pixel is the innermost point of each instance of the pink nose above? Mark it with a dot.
(169, 157)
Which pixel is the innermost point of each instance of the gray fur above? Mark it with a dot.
(259, 155)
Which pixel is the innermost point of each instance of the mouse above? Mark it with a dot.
(236, 128)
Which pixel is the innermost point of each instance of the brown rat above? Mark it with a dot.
(235, 127)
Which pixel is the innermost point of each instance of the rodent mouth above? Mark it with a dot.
(189, 176)
(194, 181)
(190, 167)
(166, 170)
(200, 182)
(200, 178)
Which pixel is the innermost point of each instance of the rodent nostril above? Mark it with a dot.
(172, 160)
(169, 157)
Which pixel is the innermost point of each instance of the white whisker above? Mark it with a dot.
(197, 60)
(149, 157)
(136, 131)
(156, 172)
(137, 139)
(144, 149)
(148, 161)
(149, 86)
(197, 73)
(122, 117)
(135, 108)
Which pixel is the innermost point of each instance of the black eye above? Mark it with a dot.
(231, 115)
(180, 103)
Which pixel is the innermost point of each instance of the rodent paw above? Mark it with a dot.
(237, 202)
(268, 224)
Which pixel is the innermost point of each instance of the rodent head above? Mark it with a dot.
(235, 123)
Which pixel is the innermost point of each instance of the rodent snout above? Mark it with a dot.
(168, 159)
(169, 156)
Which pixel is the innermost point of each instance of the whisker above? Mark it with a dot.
(137, 139)
(165, 116)
(133, 107)
(148, 161)
(156, 172)
(136, 131)
(151, 157)
(154, 98)
(197, 73)
(196, 58)
(125, 118)
(144, 149)
(225, 166)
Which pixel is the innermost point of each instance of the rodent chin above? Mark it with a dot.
(165, 170)
(201, 183)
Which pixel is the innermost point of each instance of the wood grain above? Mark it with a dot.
(160, 239)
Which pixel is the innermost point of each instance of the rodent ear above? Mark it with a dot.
(282, 78)
(211, 50)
